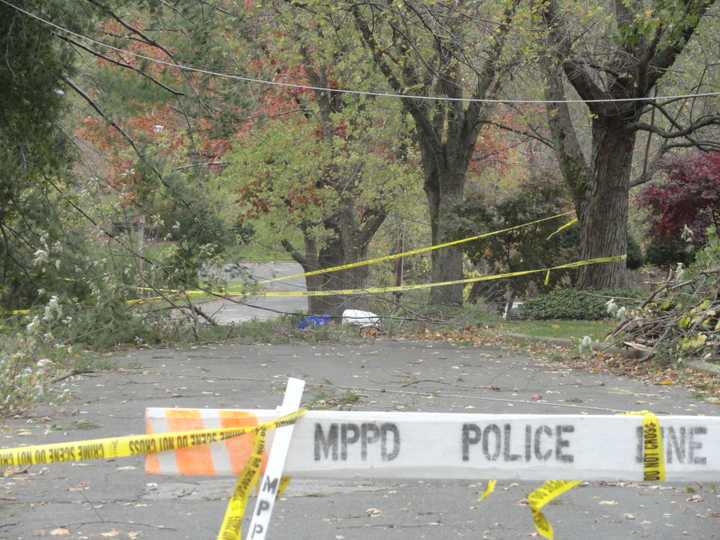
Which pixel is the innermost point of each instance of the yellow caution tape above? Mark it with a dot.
(489, 488)
(417, 251)
(130, 445)
(653, 471)
(15, 312)
(284, 483)
(231, 528)
(367, 262)
(398, 288)
(653, 455)
(563, 228)
(549, 491)
(137, 445)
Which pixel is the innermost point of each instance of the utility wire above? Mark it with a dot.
(348, 91)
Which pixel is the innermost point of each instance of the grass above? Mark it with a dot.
(558, 329)
(486, 320)
(252, 252)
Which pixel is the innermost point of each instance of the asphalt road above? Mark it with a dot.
(117, 500)
(228, 312)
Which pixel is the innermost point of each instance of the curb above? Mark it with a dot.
(700, 365)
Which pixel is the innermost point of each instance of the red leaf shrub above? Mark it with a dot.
(689, 196)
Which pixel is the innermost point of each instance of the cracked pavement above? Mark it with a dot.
(115, 499)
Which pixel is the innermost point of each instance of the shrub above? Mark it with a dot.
(635, 258)
(669, 252)
(687, 202)
(573, 304)
(527, 248)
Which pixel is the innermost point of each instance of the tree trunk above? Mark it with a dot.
(444, 191)
(604, 212)
(348, 244)
(336, 253)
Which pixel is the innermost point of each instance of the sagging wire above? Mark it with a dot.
(347, 91)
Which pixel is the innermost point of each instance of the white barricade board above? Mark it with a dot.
(356, 444)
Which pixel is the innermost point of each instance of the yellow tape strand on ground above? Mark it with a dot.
(489, 488)
(418, 251)
(549, 491)
(653, 471)
(400, 288)
(231, 528)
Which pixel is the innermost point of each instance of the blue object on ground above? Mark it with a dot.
(313, 321)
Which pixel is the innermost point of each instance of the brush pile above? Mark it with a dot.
(679, 321)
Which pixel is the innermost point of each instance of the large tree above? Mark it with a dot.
(453, 50)
(636, 46)
(32, 144)
(323, 168)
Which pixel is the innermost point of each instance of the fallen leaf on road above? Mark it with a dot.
(373, 512)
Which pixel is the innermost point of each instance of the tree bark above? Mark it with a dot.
(446, 131)
(444, 191)
(604, 212)
(336, 252)
(631, 68)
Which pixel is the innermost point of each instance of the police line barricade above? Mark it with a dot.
(260, 520)
(150, 444)
(405, 445)
(561, 449)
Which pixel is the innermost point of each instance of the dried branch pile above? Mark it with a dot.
(678, 321)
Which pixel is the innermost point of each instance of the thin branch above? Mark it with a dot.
(294, 253)
(147, 39)
(121, 64)
(530, 135)
(707, 120)
(123, 133)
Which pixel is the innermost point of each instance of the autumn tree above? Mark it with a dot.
(161, 131)
(322, 167)
(615, 58)
(455, 51)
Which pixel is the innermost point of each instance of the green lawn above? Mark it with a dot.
(558, 329)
